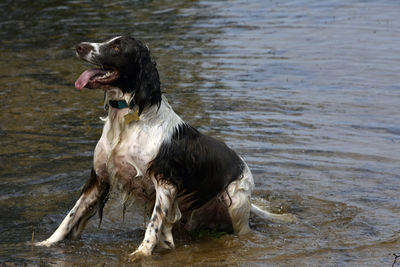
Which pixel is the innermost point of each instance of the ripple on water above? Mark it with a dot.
(306, 91)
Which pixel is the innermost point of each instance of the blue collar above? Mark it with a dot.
(120, 104)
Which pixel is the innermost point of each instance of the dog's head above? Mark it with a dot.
(122, 62)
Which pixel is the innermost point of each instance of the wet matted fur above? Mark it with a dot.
(149, 154)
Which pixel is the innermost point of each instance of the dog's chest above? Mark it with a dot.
(128, 149)
(122, 155)
(137, 146)
(124, 151)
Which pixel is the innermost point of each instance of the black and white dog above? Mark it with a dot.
(148, 154)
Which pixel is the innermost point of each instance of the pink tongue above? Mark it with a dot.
(85, 77)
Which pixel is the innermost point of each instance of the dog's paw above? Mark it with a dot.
(139, 254)
(167, 244)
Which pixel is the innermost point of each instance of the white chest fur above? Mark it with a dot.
(125, 150)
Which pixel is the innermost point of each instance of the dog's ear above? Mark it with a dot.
(148, 81)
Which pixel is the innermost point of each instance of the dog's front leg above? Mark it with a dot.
(92, 199)
(165, 214)
(166, 239)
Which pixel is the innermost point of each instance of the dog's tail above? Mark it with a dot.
(286, 217)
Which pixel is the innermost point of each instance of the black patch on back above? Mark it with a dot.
(199, 165)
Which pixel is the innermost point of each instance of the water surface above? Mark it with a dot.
(306, 91)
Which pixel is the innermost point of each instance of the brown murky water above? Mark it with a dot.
(307, 92)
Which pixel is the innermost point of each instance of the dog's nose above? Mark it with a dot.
(83, 49)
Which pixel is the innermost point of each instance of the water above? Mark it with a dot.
(306, 91)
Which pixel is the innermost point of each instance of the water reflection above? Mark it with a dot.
(306, 91)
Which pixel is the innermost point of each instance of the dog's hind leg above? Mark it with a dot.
(92, 199)
(237, 198)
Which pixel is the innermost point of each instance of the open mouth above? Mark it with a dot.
(96, 78)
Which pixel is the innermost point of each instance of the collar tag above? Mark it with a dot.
(133, 115)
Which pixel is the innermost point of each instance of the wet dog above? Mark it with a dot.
(150, 155)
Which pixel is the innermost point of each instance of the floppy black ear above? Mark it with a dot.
(148, 81)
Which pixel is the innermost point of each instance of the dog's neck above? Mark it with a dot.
(116, 116)
(122, 118)
(116, 94)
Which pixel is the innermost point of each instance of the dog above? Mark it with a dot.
(150, 155)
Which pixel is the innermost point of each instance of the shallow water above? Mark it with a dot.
(306, 91)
